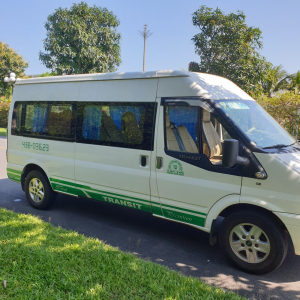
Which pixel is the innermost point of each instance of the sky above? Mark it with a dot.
(170, 46)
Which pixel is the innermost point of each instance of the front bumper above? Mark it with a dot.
(292, 223)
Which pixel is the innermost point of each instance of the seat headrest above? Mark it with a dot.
(129, 118)
(205, 116)
(168, 124)
(130, 128)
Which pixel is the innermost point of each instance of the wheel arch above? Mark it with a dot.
(217, 219)
(30, 167)
(245, 206)
(231, 203)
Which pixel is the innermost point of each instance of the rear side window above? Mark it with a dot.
(127, 125)
(16, 119)
(54, 120)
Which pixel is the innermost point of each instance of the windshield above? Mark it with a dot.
(256, 123)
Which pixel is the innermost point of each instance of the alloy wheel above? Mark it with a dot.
(249, 243)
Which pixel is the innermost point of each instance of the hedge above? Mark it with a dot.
(285, 109)
(4, 108)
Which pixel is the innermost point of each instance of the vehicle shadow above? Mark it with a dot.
(176, 246)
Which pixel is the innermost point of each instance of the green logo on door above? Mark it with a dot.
(175, 168)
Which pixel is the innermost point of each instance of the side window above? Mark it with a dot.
(181, 128)
(213, 136)
(60, 120)
(127, 125)
(194, 130)
(16, 119)
(49, 120)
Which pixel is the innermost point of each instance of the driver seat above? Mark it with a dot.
(211, 136)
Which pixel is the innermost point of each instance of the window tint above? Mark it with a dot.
(181, 123)
(127, 125)
(60, 120)
(16, 119)
(49, 119)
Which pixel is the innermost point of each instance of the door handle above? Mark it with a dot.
(143, 161)
(159, 162)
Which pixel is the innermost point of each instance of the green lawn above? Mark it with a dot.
(2, 131)
(40, 261)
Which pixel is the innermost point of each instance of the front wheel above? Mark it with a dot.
(38, 190)
(253, 242)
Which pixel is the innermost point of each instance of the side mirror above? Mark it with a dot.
(230, 154)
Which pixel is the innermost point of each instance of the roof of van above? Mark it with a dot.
(201, 84)
(106, 76)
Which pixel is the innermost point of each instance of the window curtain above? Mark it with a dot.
(187, 116)
(92, 122)
(116, 113)
(40, 116)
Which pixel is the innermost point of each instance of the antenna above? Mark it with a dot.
(145, 35)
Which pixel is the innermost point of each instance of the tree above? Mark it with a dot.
(10, 61)
(81, 39)
(229, 48)
(48, 74)
(275, 80)
(283, 107)
(294, 84)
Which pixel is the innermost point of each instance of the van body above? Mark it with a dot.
(188, 147)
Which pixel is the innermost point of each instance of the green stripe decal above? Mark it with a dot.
(89, 189)
(63, 182)
(165, 206)
(13, 171)
(129, 202)
(64, 189)
(184, 217)
(63, 186)
(86, 191)
(169, 211)
(14, 175)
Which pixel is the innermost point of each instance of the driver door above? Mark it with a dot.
(189, 173)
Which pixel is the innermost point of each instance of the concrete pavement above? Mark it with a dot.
(179, 247)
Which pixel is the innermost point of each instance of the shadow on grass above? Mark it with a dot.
(39, 259)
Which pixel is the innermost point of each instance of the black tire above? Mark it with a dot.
(34, 192)
(273, 241)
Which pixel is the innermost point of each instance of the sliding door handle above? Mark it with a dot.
(143, 161)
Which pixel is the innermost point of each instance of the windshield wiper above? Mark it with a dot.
(277, 146)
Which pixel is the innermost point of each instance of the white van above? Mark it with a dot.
(187, 147)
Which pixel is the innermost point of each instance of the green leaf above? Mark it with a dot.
(228, 47)
(10, 61)
(81, 39)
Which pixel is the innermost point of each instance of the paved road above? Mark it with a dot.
(2, 157)
(176, 246)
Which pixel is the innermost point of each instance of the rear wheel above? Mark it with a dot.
(38, 190)
(253, 242)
